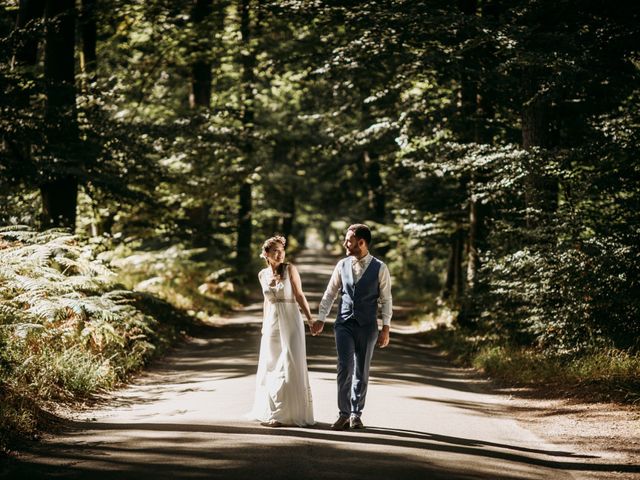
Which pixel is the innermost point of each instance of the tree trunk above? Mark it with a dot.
(88, 31)
(468, 7)
(199, 216)
(473, 259)
(26, 55)
(289, 216)
(199, 223)
(243, 245)
(541, 190)
(28, 10)
(284, 192)
(59, 189)
(243, 248)
(467, 132)
(201, 75)
(200, 84)
(454, 282)
(59, 202)
(376, 196)
(475, 110)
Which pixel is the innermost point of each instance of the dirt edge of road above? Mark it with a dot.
(607, 432)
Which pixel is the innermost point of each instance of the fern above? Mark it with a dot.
(55, 295)
(66, 327)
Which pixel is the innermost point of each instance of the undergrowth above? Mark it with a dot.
(603, 374)
(72, 324)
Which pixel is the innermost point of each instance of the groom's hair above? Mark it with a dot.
(361, 231)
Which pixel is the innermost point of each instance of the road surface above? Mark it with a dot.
(184, 418)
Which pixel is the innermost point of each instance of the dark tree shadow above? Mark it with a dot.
(193, 451)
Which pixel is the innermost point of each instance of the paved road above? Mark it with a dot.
(184, 418)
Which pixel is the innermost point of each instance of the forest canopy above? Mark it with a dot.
(492, 145)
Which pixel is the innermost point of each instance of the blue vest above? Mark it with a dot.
(359, 300)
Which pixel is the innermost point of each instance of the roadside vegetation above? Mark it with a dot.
(606, 374)
(72, 324)
(491, 146)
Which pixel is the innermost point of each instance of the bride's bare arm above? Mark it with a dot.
(296, 284)
(264, 304)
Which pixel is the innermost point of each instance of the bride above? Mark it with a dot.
(283, 394)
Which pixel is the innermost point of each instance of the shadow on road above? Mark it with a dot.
(193, 451)
(141, 450)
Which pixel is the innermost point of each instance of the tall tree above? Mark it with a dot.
(89, 34)
(25, 58)
(59, 188)
(541, 190)
(28, 11)
(376, 195)
(244, 230)
(201, 74)
(199, 217)
(466, 131)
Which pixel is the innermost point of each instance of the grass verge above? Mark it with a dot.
(602, 375)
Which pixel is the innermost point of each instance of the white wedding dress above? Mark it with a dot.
(283, 393)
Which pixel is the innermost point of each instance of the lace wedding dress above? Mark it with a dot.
(283, 393)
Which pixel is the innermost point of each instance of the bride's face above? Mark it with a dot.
(276, 254)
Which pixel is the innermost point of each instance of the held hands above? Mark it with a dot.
(316, 327)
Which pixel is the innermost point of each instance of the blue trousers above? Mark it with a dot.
(354, 344)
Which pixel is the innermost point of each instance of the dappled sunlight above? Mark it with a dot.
(186, 414)
(196, 451)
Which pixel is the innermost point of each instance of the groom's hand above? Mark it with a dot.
(317, 327)
(383, 336)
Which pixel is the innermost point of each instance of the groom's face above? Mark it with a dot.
(352, 245)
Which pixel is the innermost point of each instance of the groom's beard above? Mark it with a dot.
(354, 252)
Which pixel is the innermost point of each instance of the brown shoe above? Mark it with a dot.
(342, 423)
(355, 422)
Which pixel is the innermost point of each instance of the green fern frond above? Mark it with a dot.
(68, 264)
(27, 298)
(54, 235)
(20, 233)
(22, 329)
(76, 305)
(45, 309)
(31, 285)
(84, 284)
(119, 295)
(8, 229)
(101, 313)
(9, 313)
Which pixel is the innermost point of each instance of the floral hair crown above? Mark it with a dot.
(270, 242)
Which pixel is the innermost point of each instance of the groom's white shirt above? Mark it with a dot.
(358, 267)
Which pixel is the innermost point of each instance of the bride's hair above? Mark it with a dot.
(266, 246)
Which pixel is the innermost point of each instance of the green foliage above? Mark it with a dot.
(201, 288)
(605, 374)
(509, 131)
(66, 328)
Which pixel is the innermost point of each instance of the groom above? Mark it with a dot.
(362, 281)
